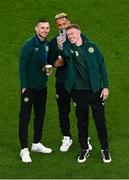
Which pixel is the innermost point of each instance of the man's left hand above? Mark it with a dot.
(104, 94)
(59, 62)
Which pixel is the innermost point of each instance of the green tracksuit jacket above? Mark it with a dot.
(95, 61)
(54, 52)
(32, 58)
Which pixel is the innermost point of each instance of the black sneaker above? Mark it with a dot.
(106, 156)
(83, 155)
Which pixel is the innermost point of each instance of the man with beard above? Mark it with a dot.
(33, 83)
(62, 97)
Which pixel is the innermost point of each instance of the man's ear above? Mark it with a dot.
(36, 29)
(69, 22)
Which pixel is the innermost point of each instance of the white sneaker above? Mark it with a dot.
(38, 147)
(89, 145)
(66, 143)
(25, 156)
(106, 156)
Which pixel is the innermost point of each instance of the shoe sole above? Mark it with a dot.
(81, 161)
(91, 148)
(107, 161)
(25, 161)
(41, 152)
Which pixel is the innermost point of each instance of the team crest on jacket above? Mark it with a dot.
(91, 49)
(57, 96)
(76, 53)
(72, 51)
(47, 48)
(26, 99)
(36, 49)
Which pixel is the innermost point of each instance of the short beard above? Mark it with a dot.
(41, 37)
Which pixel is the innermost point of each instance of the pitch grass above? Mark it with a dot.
(106, 23)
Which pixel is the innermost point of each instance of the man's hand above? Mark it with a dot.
(104, 94)
(60, 42)
(59, 62)
(23, 90)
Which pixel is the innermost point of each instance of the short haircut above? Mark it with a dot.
(61, 15)
(75, 26)
(41, 21)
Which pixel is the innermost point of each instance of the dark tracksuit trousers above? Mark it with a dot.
(37, 99)
(63, 102)
(83, 99)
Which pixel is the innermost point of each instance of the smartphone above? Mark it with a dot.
(62, 33)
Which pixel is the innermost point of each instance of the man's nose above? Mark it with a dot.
(63, 27)
(46, 30)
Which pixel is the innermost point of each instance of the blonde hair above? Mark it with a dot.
(61, 15)
(75, 26)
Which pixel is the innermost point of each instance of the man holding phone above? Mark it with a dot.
(62, 96)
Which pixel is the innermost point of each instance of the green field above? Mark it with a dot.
(107, 23)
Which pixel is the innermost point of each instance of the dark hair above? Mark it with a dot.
(41, 20)
(75, 26)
